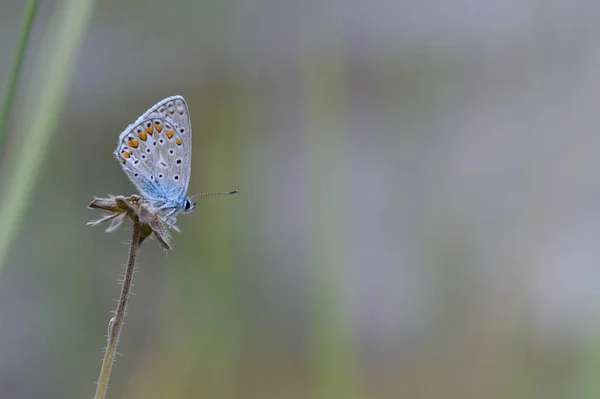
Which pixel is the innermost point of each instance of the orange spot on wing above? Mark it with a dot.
(149, 129)
(169, 133)
(142, 135)
(178, 141)
(158, 127)
(125, 154)
(133, 143)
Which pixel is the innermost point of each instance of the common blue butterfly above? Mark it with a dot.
(156, 154)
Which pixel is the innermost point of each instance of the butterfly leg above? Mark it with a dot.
(169, 218)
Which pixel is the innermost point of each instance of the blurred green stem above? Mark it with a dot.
(16, 67)
(54, 70)
(116, 323)
(324, 102)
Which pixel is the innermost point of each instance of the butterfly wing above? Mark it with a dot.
(155, 152)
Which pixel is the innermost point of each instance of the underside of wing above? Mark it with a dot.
(155, 157)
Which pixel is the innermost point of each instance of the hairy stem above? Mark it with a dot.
(116, 323)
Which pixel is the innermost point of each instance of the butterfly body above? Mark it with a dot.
(155, 153)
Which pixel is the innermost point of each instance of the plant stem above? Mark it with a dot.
(116, 323)
(15, 71)
(53, 72)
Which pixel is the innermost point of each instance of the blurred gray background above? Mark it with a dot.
(419, 207)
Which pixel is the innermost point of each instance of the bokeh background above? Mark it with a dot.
(419, 207)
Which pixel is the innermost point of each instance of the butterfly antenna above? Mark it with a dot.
(216, 193)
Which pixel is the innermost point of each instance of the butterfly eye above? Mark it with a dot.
(189, 205)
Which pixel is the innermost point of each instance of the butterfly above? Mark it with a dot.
(156, 154)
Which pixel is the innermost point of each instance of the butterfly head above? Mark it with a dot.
(188, 205)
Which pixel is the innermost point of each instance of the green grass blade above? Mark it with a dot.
(15, 72)
(42, 105)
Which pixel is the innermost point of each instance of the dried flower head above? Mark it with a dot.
(137, 209)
